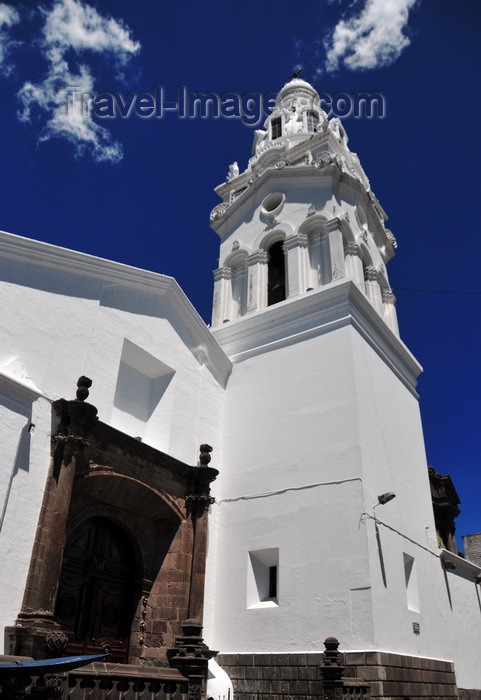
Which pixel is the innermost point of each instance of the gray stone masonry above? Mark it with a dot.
(297, 676)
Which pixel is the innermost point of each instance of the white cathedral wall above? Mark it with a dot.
(56, 326)
(290, 430)
(61, 326)
(298, 418)
(409, 583)
(26, 429)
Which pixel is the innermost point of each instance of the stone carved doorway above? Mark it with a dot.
(95, 602)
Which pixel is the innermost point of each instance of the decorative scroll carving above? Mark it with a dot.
(391, 238)
(56, 642)
(323, 159)
(219, 212)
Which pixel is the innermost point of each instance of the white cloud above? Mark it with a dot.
(73, 25)
(73, 28)
(8, 17)
(66, 117)
(371, 39)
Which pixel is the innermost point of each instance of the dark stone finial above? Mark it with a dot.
(331, 643)
(332, 668)
(205, 458)
(83, 386)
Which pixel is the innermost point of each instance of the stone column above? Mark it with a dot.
(297, 264)
(222, 295)
(36, 633)
(189, 653)
(257, 280)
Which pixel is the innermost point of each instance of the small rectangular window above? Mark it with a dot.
(412, 591)
(276, 128)
(312, 120)
(273, 582)
(262, 578)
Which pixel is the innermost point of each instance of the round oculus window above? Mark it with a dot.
(273, 203)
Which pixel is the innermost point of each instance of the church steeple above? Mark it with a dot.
(300, 216)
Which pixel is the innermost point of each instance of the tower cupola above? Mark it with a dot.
(296, 116)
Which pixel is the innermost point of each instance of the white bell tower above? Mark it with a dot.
(300, 217)
(321, 413)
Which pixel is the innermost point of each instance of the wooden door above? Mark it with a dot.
(96, 593)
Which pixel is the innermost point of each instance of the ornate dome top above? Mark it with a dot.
(297, 90)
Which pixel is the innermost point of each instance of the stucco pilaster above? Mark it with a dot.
(373, 290)
(389, 308)
(354, 263)
(336, 248)
(297, 259)
(257, 280)
(222, 295)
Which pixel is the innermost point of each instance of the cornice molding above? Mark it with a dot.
(336, 305)
(20, 387)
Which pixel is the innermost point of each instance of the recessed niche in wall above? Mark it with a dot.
(263, 578)
(412, 590)
(142, 382)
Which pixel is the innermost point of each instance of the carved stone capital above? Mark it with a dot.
(353, 249)
(388, 296)
(222, 273)
(298, 240)
(370, 274)
(258, 256)
(332, 225)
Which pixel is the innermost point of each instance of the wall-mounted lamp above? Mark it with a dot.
(385, 498)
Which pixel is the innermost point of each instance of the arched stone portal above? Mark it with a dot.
(119, 557)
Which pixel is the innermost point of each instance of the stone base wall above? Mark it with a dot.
(297, 676)
(400, 677)
(464, 694)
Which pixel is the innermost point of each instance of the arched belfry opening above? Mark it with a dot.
(276, 274)
(95, 602)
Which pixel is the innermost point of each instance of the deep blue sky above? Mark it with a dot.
(151, 207)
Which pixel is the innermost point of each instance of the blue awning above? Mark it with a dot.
(62, 664)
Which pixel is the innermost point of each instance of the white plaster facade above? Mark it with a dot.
(68, 314)
(322, 416)
(310, 404)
